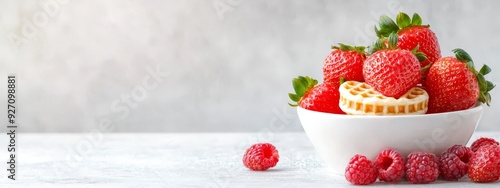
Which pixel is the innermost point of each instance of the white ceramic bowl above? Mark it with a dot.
(338, 137)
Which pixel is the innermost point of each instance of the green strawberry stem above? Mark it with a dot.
(485, 86)
(344, 47)
(392, 42)
(403, 21)
(301, 85)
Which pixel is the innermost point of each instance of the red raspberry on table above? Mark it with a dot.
(482, 142)
(360, 171)
(454, 163)
(390, 165)
(484, 165)
(463, 152)
(261, 156)
(421, 167)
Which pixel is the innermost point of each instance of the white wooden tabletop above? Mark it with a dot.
(174, 160)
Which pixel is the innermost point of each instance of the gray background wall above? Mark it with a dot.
(225, 65)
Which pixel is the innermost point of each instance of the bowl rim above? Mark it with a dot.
(477, 107)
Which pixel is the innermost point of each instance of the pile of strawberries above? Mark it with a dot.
(481, 162)
(406, 55)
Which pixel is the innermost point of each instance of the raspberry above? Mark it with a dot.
(261, 156)
(453, 163)
(421, 167)
(390, 165)
(360, 171)
(484, 165)
(482, 142)
(464, 152)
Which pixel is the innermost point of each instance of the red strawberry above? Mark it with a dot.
(411, 34)
(485, 164)
(483, 142)
(344, 62)
(454, 84)
(323, 97)
(392, 71)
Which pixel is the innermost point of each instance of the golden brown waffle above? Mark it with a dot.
(358, 98)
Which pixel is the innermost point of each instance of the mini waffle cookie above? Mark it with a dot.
(358, 98)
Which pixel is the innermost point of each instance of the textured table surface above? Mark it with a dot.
(174, 160)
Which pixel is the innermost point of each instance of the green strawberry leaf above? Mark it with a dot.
(301, 85)
(421, 57)
(485, 70)
(387, 26)
(462, 55)
(360, 48)
(416, 20)
(345, 47)
(294, 97)
(304, 82)
(490, 86)
(393, 40)
(483, 86)
(485, 97)
(377, 32)
(312, 82)
(470, 65)
(425, 68)
(298, 86)
(415, 49)
(403, 20)
(482, 97)
(378, 45)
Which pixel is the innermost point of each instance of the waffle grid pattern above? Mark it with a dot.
(358, 98)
